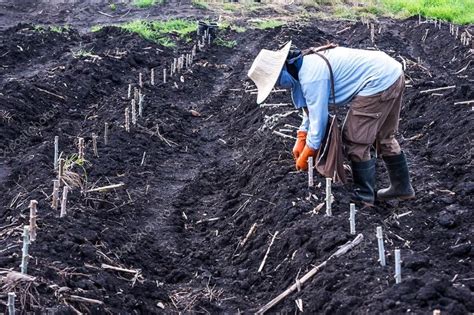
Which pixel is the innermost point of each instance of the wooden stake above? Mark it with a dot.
(134, 113)
(81, 148)
(164, 75)
(129, 94)
(328, 197)
(381, 246)
(140, 104)
(33, 226)
(268, 251)
(106, 133)
(372, 33)
(140, 80)
(24, 251)
(310, 172)
(135, 94)
(54, 203)
(56, 152)
(152, 76)
(398, 268)
(127, 119)
(61, 169)
(11, 303)
(94, 145)
(64, 202)
(341, 251)
(352, 219)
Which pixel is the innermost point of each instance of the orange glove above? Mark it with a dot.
(302, 161)
(299, 144)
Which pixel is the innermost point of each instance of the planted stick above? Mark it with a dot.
(175, 63)
(11, 303)
(64, 202)
(140, 104)
(56, 152)
(164, 75)
(54, 203)
(80, 148)
(135, 94)
(24, 251)
(94, 144)
(134, 112)
(129, 93)
(381, 246)
(398, 267)
(341, 251)
(310, 172)
(106, 133)
(352, 216)
(140, 80)
(372, 33)
(33, 226)
(328, 197)
(143, 159)
(152, 76)
(127, 119)
(268, 251)
(61, 169)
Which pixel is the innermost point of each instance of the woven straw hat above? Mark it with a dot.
(266, 69)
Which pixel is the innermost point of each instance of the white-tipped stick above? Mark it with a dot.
(55, 202)
(164, 75)
(135, 94)
(328, 197)
(127, 119)
(143, 159)
(372, 33)
(24, 251)
(182, 61)
(193, 52)
(134, 112)
(106, 133)
(56, 152)
(140, 104)
(33, 226)
(60, 169)
(381, 246)
(310, 172)
(64, 202)
(352, 218)
(152, 76)
(175, 64)
(398, 267)
(268, 251)
(11, 303)
(94, 145)
(129, 93)
(80, 147)
(140, 80)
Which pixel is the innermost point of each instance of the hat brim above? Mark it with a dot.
(264, 87)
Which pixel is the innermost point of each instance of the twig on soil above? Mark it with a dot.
(275, 105)
(106, 266)
(250, 232)
(242, 207)
(341, 251)
(343, 30)
(143, 159)
(106, 14)
(268, 251)
(84, 299)
(51, 93)
(464, 102)
(207, 220)
(105, 188)
(438, 89)
(283, 135)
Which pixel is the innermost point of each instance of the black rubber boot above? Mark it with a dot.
(363, 175)
(400, 186)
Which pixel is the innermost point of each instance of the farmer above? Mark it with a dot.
(371, 83)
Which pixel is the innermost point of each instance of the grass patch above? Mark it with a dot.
(268, 24)
(55, 29)
(96, 28)
(225, 43)
(200, 4)
(146, 3)
(231, 7)
(159, 31)
(113, 6)
(238, 29)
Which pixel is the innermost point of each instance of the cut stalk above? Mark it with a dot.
(11, 303)
(310, 172)
(64, 202)
(134, 113)
(268, 251)
(80, 148)
(140, 104)
(61, 169)
(33, 226)
(106, 133)
(94, 145)
(328, 197)
(56, 152)
(129, 93)
(152, 76)
(55, 201)
(352, 219)
(398, 268)
(24, 251)
(127, 119)
(140, 80)
(164, 75)
(381, 246)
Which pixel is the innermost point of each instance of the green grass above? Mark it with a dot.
(225, 43)
(232, 7)
(113, 6)
(55, 29)
(200, 4)
(96, 28)
(146, 3)
(238, 29)
(268, 24)
(159, 31)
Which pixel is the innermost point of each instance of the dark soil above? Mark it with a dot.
(183, 213)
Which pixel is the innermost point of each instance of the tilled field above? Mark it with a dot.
(211, 172)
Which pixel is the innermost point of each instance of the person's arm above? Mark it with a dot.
(304, 123)
(316, 94)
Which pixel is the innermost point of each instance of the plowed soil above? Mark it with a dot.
(197, 181)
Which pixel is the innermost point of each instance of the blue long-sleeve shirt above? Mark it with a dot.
(356, 72)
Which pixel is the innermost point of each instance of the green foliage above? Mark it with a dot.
(268, 24)
(159, 31)
(55, 29)
(225, 43)
(83, 53)
(200, 4)
(113, 6)
(96, 28)
(238, 29)
(145, 3)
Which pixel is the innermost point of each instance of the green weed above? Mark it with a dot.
(96, 28)
(59, 29)
(225, 43)
(113, 6)
(146, 3)
(200, 4)
(238, 29)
